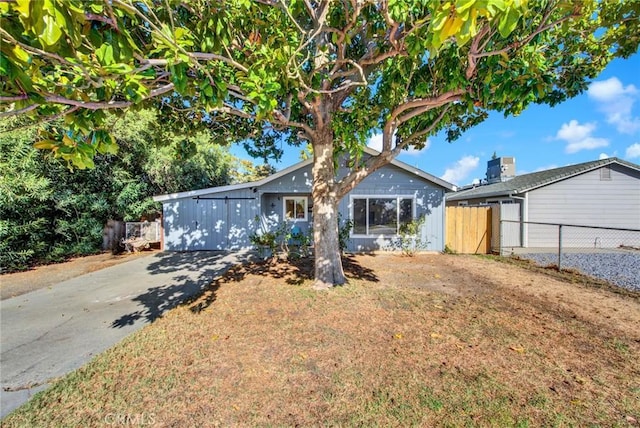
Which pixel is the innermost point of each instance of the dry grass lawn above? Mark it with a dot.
(430, 340)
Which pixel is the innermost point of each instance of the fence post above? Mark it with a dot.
(559, 247)
(500, 244)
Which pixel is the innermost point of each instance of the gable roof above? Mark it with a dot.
(526, 182)
(200, 192)
(420, 173)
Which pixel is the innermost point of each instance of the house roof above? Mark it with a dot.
(526, 182)
(195, 193)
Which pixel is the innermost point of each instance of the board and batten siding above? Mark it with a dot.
(391, 181)
(589, 199)
(296, 183)
(211, 224)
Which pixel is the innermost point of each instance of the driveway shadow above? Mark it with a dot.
(192, 273)
(199, 275)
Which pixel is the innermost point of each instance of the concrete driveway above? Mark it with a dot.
(50, 332)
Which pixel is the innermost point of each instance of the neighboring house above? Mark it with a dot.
(602, 193)
(223, 218)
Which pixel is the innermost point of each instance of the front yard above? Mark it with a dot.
(430, 340)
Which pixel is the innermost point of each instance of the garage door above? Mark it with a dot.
(211, 222)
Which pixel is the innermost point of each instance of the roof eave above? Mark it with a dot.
(231, 187)
(420, 173)
(195, 193)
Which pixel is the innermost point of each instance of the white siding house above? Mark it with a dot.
(602, 193)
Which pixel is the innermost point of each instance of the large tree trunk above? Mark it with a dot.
(328, 263)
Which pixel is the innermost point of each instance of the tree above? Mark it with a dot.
(247, 171)
(23, 189)
(327, 73)
(48, 212)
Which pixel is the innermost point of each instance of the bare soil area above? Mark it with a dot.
(15, 284)
(430, 340)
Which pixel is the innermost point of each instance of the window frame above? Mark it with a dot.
(397, 198)
(295, 199)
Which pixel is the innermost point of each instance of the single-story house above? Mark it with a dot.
(223, 218)
(603, 193)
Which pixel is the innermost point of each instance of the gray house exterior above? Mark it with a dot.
(603, 193)
(223, 218)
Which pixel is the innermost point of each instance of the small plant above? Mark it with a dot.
(409, 237)
(291, 242)
(294, 243)
(344, 230)
(265, 241)
(449, 250)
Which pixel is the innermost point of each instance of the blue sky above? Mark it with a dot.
(602, 122)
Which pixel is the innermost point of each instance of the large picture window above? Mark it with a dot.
(380, 215)
(295, 208)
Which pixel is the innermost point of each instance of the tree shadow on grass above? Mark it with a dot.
(293, 272)
(199, 277)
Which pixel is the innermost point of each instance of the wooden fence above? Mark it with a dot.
(112, 235)
(468, 229)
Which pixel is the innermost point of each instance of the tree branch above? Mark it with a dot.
(36, 51)
(20, 111)
(90, 105)
(519, 43)
(405, 143)
(41, 119)
(422, 105)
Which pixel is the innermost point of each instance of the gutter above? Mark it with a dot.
(524, 217)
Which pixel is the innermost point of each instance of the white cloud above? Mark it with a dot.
(616, 102)
(375, 142)
(461, 169)
(578, 137)
(573, 131)
(633, 151)
(603, 156)
(586, 144)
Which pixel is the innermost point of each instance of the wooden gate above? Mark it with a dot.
(468, 230)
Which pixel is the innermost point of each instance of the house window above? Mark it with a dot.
(381, 215)
(295, 208)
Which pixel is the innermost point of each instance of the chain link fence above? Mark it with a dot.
(608, 253)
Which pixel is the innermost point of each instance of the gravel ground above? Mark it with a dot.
(621, 269)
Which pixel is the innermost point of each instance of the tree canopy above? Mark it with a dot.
(49, 212)
(330, 73)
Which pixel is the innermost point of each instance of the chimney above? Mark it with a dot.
(501, 169)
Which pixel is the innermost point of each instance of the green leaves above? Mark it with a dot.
(277, 71)
(462, 19)
(105, 54)
(51, 31)
(509, 21)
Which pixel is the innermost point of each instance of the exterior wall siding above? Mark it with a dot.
(210, 224)
(219, 224)
(393, 181)
(585, 199)
(299, 181)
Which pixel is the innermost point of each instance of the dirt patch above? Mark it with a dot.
(15, 284)
(432, 340)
